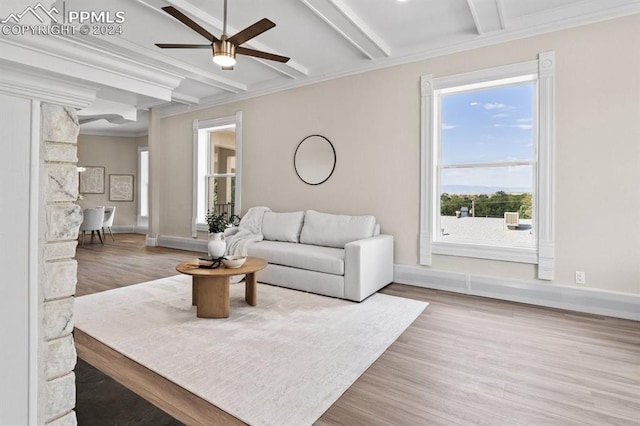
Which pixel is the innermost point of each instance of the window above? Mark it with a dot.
(221, 178)
(487, 165)
(485, 161)
(217, 153)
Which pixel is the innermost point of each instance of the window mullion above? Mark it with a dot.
(487, 165)
(217, 175)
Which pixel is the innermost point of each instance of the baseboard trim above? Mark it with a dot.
(587, 300)
(141, 229)
(129, 229)
(182, 243)
(124, 229)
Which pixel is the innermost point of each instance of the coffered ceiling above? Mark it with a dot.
(324, 38)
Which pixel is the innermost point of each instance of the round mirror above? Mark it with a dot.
(314, 160)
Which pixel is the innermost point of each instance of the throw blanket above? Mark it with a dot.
(249, 231)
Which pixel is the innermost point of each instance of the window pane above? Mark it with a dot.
(223, 152)
(220, 182)
(222, 194)
(490, 125)
(486, 180)
(473, 203)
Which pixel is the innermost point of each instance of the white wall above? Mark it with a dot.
(373, 120)
(15, 140)
(118, 155)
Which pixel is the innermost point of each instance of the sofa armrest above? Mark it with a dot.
(368, 266)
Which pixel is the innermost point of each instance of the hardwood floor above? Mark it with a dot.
(465, 361)
(124, 262)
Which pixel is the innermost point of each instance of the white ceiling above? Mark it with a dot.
(324, 39)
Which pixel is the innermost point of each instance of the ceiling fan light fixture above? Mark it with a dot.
(224, 53)
(225, 49)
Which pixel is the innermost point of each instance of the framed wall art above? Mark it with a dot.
(120, 187)
(92, 180)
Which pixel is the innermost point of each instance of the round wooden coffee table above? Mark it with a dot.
(210, 287)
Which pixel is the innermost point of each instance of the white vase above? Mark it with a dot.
(217, 245)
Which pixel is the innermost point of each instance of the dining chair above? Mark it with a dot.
(92, 221)
(109, 214)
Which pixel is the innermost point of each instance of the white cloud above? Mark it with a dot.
(446, 126)
(473, 103)
(494, 105)
(525, 120)
(500, 115)
(517, 126)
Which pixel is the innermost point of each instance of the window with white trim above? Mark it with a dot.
(487, 189)
(217, 155)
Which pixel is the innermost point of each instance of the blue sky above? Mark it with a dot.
(484, 126)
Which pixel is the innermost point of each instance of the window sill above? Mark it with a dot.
(509, 254)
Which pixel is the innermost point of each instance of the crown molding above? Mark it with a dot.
(68, 57)
(129, 50)
(19, 82)
(115, 134)
(102, 108)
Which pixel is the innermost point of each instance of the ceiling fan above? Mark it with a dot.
(225, 48)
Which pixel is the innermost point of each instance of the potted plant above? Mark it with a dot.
(217, 222)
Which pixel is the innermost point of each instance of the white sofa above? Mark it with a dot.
(333, 255)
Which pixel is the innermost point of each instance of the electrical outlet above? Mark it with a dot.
(581, 277)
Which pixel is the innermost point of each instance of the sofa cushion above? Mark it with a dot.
(282, 226)
(314, 258)
(334, 230)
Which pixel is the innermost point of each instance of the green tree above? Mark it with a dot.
(494, 205)
(525, 206)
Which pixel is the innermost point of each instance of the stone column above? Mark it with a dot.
(59, 223)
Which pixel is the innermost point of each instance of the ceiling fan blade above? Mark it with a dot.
(251, 31)
(260, 54)
(183, 46)
(189, 23)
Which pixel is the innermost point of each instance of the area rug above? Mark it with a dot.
(282, 362)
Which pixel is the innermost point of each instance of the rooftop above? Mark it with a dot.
(485, 229)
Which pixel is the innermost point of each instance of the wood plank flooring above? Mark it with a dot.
(465, 361)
